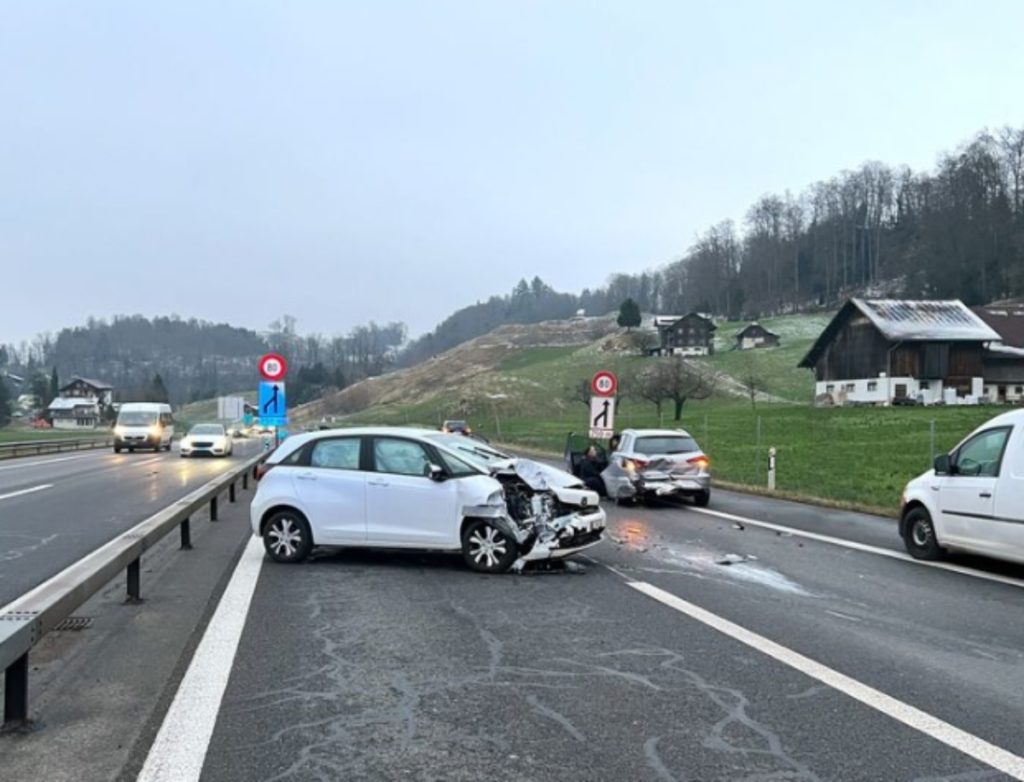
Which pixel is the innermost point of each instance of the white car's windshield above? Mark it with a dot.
(210, 429)
(471, 450)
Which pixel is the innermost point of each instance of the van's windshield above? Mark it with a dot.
(137, 418)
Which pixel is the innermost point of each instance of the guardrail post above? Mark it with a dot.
(245, 480)
(213, 509)
(231, 492)
(134, 592)
(255, 474)
(186, 535)
(16, 693)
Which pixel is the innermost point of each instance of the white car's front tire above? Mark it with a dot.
(486, 548)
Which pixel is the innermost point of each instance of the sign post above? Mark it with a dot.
(604, 385)
(273, 402)
(771, 468)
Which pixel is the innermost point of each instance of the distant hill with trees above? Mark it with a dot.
(956, 231)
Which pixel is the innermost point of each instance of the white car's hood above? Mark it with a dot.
(537, 475)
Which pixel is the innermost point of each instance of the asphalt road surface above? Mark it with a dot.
(754, 640)
(56, 509)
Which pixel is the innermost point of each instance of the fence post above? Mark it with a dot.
(16, 692)
(186, 535)
(757, 451)
(771, 468)
(134, 591)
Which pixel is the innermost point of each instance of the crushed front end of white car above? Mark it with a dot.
(549, 513)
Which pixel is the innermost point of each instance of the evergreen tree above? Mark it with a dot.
(54, 384)
(158, 389)
(629, 314)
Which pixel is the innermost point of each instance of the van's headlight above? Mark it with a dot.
(154, 430)
(119, 431)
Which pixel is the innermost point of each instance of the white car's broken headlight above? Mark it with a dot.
(496, 499)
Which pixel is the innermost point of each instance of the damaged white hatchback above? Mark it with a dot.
(419, 489)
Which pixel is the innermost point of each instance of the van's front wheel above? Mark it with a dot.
(919, 535)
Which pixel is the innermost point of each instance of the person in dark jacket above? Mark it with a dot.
(590, 471)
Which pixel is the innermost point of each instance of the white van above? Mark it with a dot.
(143, 425)
(973, 499)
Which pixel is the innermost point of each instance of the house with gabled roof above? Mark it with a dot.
(893, 351)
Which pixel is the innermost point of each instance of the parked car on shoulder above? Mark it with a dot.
(652, 463)
(456, 427)
(206, 440)
(972, 499)
(419, 489)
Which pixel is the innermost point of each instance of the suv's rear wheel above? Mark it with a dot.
(919, 535)
(487, 549)
(287, 537)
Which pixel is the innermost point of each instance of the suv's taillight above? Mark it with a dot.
(262, 469)
(701, 462)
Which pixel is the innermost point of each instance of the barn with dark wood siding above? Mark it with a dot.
(882, 351)
(755, 335)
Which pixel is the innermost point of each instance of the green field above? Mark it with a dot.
(856, 456)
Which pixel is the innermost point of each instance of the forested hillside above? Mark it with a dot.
(957, 231)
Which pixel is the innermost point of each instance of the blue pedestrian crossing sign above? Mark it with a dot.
(273, 404)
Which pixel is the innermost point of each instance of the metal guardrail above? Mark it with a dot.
(25, 621)
(34, 447)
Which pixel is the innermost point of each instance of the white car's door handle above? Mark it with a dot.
(985, 494)
(377, 483)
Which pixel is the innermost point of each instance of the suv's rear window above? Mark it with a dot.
(665, 445)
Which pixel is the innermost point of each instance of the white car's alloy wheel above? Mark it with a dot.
(287, 538)
(489, 548)
(486, 548)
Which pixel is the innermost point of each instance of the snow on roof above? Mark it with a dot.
(71, 402)
(905, 319)
(1006, 350)
(99, 384)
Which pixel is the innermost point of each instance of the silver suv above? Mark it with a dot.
(657, 463)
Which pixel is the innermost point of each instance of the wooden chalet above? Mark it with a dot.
(689, 335)
(1004, 360)
(756, 336)
(884, 351)
(82, 387)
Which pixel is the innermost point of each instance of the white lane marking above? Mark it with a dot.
(852, 544)
(21, 464)
(26, 491)
(180, 748)
(931, 726)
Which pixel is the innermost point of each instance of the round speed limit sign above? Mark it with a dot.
(273, 367)
(604, 383)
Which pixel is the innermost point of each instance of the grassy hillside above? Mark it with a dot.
(861, 456)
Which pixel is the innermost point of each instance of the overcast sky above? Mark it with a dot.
(343, 162)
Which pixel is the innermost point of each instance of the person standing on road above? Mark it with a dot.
(590, 471)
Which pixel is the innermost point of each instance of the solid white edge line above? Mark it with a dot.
(26, 491)
(179, 751)
(865, 547)
(933, 727)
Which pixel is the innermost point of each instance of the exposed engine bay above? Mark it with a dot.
(546, 519)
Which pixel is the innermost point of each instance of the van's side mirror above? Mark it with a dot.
(942, 465)
(436, 473)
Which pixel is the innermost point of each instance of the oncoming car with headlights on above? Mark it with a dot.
(206, 440)
(407, 488)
